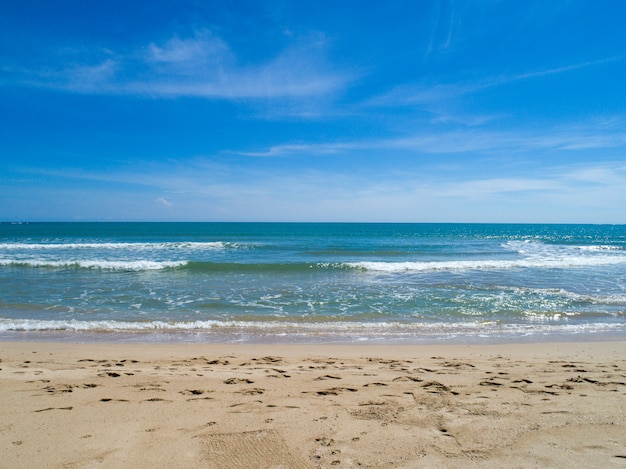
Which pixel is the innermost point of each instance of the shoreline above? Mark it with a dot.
(68, 404)
(232, 335)
(596, 349)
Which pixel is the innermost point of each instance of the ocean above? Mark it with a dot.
(311, 282)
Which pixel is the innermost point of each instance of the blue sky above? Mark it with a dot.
(390, 111)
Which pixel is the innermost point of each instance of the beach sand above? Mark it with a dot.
(312, 406)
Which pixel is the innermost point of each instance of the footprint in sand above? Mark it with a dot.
(435, 387)
(277, 373)
(190, 392)
(63, 388)
(218, 361)
(321, 378)
(415, 379)
(54, 408)
(252, 392)
(268, 360)
(238, 381)
(334, 391)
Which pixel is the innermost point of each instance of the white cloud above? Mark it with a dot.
(305, 149)
(591, 192)
(582, 136)
(87, 77)
(493, 187)
(164, 202)
(200, 66)
(200, 50)
(412, 95)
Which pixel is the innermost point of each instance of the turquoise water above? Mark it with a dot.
(300, 282)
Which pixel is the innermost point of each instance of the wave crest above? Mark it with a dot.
(95, 264)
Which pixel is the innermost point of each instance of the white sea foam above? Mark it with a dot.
(532, 255)
(614, 299)
(364, 331)
(137, 265)
(432, 266)
(536, 248)
(598, 248)
(213, 245)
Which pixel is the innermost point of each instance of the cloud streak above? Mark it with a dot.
(199, 66)
(582, 136)
(411, 95)
(196, 189)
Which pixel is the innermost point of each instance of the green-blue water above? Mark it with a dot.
(282, 282)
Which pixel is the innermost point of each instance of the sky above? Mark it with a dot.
(278, 110)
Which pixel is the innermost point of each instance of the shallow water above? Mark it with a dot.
(300, 282)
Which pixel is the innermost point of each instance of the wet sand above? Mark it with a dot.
(312, 406)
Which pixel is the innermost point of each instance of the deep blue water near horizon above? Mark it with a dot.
(311, 282)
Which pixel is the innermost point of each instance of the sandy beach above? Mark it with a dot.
(310, 406)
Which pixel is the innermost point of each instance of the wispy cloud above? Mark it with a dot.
(202, 65)
(444, 24)
(411, 95)
(304, 149)
(575, 137)
(200, 190)
(164, 202)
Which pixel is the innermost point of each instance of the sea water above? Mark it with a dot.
(311, 282)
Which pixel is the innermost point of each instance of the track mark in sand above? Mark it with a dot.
(321, 378)
(328, 453)
(455, 364)
(246, 404)
(63, 388)
(263, 448)
(268, 360)
(559, 386)
(195, 392)
(537, 391)
(190, 392)
(58, 389)
(580, 379)
(54, 408)
(382, 411)
(415, 379)
(153, 389)
(435, 387)
(238, 381)
(321, 362)
(323, 441)
(95, 460)
(277, 373)
(217, 361)
(490, 382)
(391, 362)
(147, 386)
(332, 391)
(252, 391)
